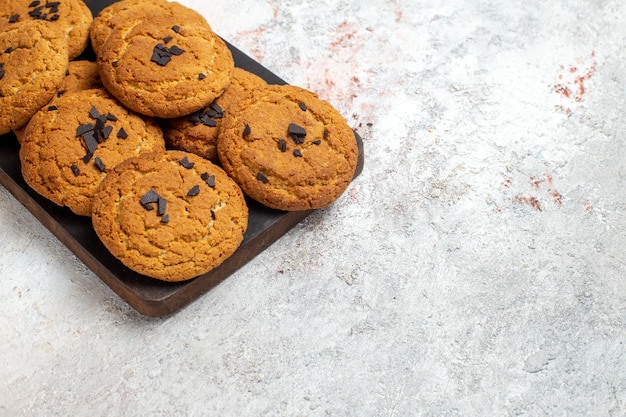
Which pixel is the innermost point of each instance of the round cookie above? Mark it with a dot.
(73, 16)
(197, 133)
(166, 66)
(115, 14)
(25, 88)
(80, 75)
(70, 145)
(287, 148)
(170, 216)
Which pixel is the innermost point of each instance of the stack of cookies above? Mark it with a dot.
(160, 138)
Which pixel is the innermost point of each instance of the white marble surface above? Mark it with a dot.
(475, 268)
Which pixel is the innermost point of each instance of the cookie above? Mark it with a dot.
(80, 75)
(170, 216)
(70, 145)
(287, 149)
(165, 66)
(115, 14)
(197, 133)
(72, 16)
(33, 60)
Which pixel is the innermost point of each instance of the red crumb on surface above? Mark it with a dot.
(572, 81)
(530, 201)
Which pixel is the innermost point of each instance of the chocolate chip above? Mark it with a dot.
(53, 3)
(90, 141)
(167, 39)
(211, 181)
(162, 54)
(176, 28)
(186, 163)
(161, 206)
(115, 63)
(175, 50)
(99, 164)
(297, 133)
(1, 70)
(111, 117)
(201, 76)
(326, 133)
(246, 131)
(106, 131)
(297, 153)
(213, 215)
(148, 198)
(13, 18)
(87, 157)
(219, 112)
(316, 142)
(302, 106)
(75, 170)
(93, 112)
(122, 133)
(82, 129)
(34, 3)
(8, 50)
(60, 93)
(282, 145)
(262, 178)
(51, 108)
(195, 190)
(54, 17)
(165, 219)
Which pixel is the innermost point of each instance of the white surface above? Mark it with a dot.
(476, 267)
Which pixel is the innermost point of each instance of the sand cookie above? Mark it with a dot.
(25, 88)
(165, 66)
(197, 133)
(170, 216)
(287, 149)
(70, 145)
(72, 16)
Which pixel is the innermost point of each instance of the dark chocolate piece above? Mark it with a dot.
(297, 153)
(149, 198)
(8, 50)
(51, 108)
(186, 163)
(13, 18)
(211, 181)
(82, 129)
(106, 131)
(1, 70)
(297, 133)
(175, 50)
(87, 157)
(201, 76)
(75, 170)
(195, 190)
(246, 131)
(99, 164)
(122, 133)
(282, 145)
(93, 112)
(115, 63)
(34, 3)
(165, 219)
(111, 117)
(167, 39)
(213, 215)
(262, 178)
(176, 28)
(161, 55)
(302, 106)
(316, 142)
(54, 17)
(161, 206)
(90, 141)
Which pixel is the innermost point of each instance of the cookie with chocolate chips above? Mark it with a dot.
(73, 17)
(197, 133)
(171, 215)
(25, 88)
(69, 146)
(287, 148)
(165, 66)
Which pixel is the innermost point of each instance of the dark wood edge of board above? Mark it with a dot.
(147, 296)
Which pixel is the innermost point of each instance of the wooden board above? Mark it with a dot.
(148, 296)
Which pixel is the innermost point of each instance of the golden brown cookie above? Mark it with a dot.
(117, 13)
(73, 16)
(33, 60)
(197, 133)
(165, 66)
(171, 216)
(287, 148)
(70, 145)
(80, 75)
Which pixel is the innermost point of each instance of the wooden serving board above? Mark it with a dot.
(148, 296)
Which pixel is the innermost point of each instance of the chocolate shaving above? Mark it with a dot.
(195, 190)
(99, 164)
(262, 178)
(186, 163)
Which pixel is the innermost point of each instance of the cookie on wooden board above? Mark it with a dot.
(197, 133)
(33, 61)
(69, 146)
(72, 16)
(165, 66)
(170, 215)
(287, 149)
